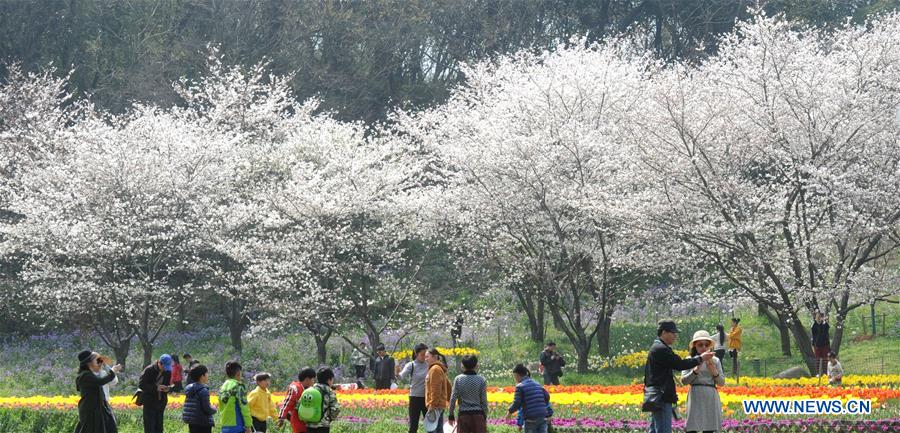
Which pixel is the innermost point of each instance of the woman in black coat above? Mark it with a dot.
(94, 413)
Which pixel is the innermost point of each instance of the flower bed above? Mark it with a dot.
(63, 421)
(607, 403)
(446, 351)
(874, 380)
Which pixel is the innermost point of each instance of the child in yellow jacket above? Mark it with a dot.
(260, 401)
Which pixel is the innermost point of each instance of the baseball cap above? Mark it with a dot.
(166, 361)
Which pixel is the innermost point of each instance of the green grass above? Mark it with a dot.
(50, 366)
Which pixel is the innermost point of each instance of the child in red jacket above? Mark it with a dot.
(305, 379)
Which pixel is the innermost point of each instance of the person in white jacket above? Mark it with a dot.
(104, 370)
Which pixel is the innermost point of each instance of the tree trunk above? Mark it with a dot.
(804, 344)
(374, 340)
(785, 339)
(182, 318)
(144, 334)
(121, 350)
(237, 334)
(321, 349)
(321, 334)
(838, 337)
(603, 335)
(534, 312)
(581, 341)
(582, 353)
(874, 327)
(147, 346)
(538, 326)
(236, 321)
(116, 339)
(780, 322)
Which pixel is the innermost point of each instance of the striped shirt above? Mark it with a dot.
(470, 390)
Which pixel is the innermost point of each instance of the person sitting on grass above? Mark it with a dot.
(197, 412)
(233, 401)
(835, 371)
(261, 405)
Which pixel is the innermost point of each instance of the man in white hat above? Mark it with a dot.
(659, 386)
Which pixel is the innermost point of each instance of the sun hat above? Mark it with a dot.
(431, 419)
(700, 335)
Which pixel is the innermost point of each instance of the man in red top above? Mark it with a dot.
(305, 379)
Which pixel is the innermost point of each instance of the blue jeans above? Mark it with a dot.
(535, 426)
(661, 420)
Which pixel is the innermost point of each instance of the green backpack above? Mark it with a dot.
(311, 406)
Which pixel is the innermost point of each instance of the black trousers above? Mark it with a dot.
(153, 419)
(259, 426)
(416, 409)
(360, 371)
(734, 362)
(199, 428)
(550, 378)
(382, 384)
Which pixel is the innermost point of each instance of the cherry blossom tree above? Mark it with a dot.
(254, 109)
(536, 184)
(332, 225)
(312, 232)
(110, 227)
(777, 162)
(35, 113)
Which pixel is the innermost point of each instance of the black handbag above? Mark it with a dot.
(652, 399)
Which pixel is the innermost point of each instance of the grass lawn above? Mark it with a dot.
(45, 364)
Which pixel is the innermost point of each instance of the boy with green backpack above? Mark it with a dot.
(318, 406)
(233, 402)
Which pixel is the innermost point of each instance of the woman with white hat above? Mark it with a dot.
(704, 408)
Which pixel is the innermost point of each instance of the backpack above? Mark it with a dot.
(311, 407)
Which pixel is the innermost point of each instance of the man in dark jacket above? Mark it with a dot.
(821, 343)
(155, 393)
(661, 360)
(551, 364)
(197, 413)
(384, 368)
